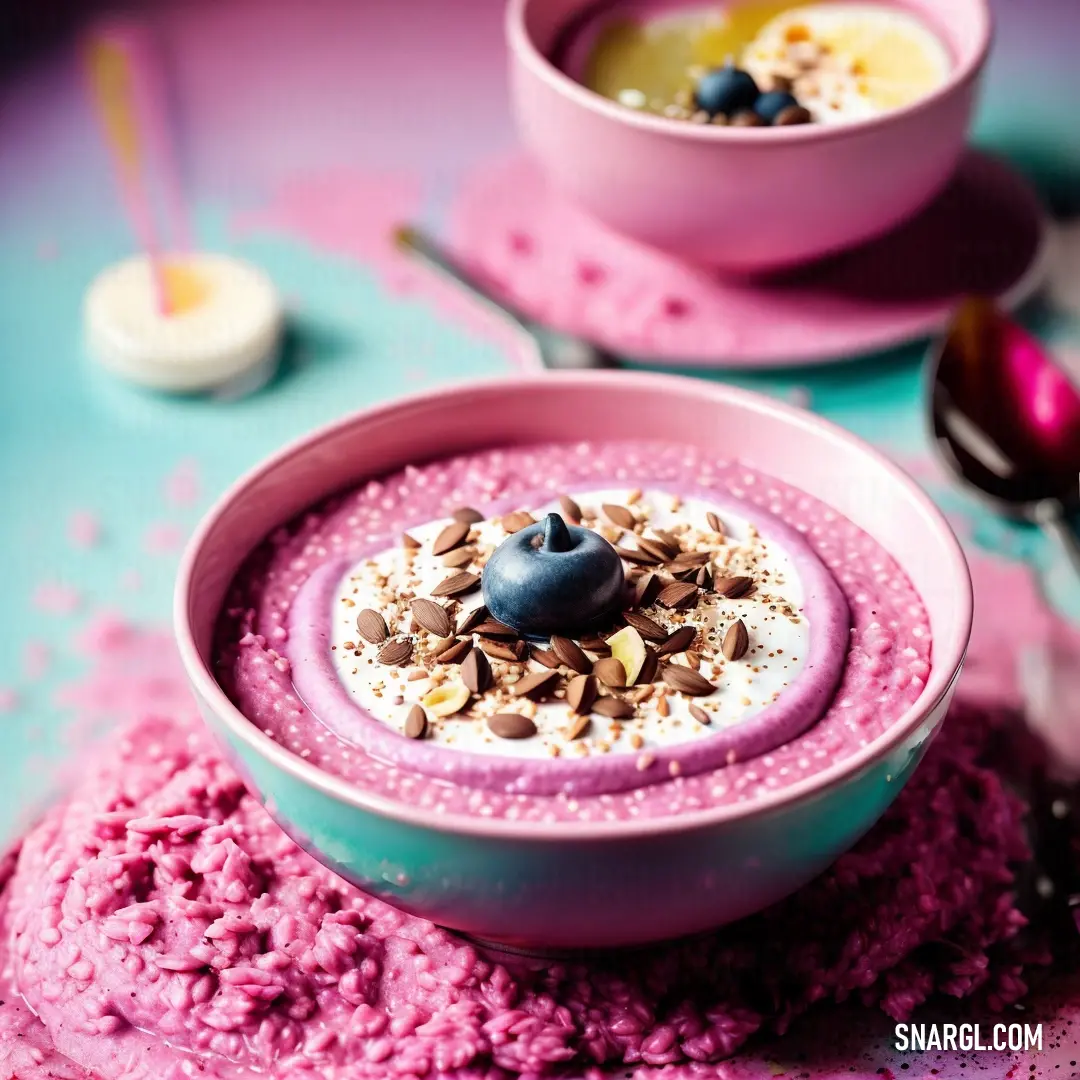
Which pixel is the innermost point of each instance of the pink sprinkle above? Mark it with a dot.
(106, 632)
(35, 658)
(56, 598)
(84, 529)
(9, 700)
(182, 487)
(162, 537)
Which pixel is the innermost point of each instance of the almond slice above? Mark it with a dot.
(454, 535)
(416, 723)
(371, 626)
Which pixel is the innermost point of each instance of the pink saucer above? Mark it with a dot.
(985, 234)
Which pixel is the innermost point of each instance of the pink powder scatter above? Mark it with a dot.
(163, 537)
(35, 659)
(84, 529)
(356, 213)
(183, 486)
(9, 699)
(56, 598)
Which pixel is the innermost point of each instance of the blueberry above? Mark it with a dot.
(726, 90)
(770, 105)
(553, 578)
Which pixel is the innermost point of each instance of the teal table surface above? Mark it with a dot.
(73, 441)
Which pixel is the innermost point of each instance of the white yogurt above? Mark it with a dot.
(779, 639)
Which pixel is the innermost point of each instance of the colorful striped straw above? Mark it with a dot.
(126, 86)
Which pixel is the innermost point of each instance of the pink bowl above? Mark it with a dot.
(742, 200)
(598, 883)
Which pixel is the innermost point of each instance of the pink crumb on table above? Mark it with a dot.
(56, 598)
(355, 213)
(162, 537)
(35, 659)
(84, 529)
(183, 486)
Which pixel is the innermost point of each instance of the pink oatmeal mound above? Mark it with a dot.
(159, 913)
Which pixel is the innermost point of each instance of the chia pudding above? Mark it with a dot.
(756, 636)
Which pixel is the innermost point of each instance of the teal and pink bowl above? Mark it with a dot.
(568, 886)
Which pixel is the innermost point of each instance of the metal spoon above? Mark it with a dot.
(556, 350)
(1006, 421)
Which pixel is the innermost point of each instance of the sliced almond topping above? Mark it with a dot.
(410, 543)
(679, 595)
(578, 727)
(395, 653)
(459, 557)
(472, 620)
(618, 515)
(572, 656)
(511, 651)
(596, 644)
(511, 726)
(649, 667)
(571, 510)
(686, 681)
(536, 686)
(545, 657)
(679, 641)
(646, 590)
(610, 672)
(736, 641)
(371, 626)
(700, 715)
(581, 693)
(646, 627)
(467, 515)
(659, 551)
(491, 628)
(454, 535)
(517, 520)
(456, 653)
(457, 584)
(715, 523)
(432, 617)
(637, 556)
(733, 587)
(416, 723)
(476, 672)
(613, 708)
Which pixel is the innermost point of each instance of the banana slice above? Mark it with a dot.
(223, 329)
(850, 61)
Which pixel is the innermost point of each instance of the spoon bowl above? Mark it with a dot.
(1006, 419)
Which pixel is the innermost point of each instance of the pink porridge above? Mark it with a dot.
(759, 638)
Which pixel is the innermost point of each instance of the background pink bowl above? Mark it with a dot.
(745, 200)
(603, 883)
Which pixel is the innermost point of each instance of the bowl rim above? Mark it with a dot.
(947, 659)
(523, 48)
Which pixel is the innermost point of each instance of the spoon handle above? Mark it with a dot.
(429, 251)
(1054, 518)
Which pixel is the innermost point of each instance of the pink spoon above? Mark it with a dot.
(1006, 419)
